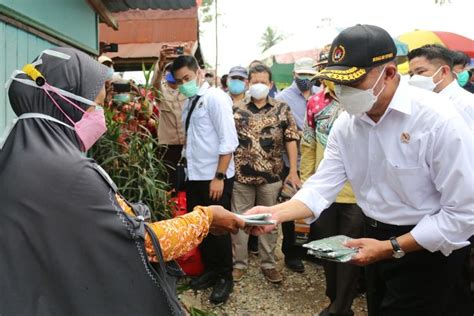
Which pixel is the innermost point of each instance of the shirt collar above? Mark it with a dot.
(450, 88)
(401, 100)
(270, 100)
(203, 88)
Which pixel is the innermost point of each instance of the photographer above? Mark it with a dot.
(171, 104)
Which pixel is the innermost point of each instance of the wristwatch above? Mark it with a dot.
(397, 250)
(220, 176)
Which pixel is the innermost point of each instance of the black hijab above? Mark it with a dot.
(66, 248)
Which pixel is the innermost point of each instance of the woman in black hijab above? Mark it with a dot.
(69, 244)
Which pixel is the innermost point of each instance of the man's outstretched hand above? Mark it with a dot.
(224, 221)
(260, 230)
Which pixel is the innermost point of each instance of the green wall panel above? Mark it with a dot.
(72, 19)
(17, 48)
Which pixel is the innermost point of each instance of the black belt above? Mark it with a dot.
(379, 225)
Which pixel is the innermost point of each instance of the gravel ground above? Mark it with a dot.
(298, 294)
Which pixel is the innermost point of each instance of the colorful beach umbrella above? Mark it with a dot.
(450, 40)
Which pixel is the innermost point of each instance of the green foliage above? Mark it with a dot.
(130, 153)
(269, 38)
(132, 161)
(206, 12)
(197, 312)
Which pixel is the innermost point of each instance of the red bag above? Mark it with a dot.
(191, 263)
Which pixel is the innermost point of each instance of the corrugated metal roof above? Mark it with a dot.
(145, 50)
(142, 33)
(152, 26)
(124, 5)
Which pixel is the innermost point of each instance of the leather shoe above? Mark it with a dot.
(221, 291)
(272, 275)
(204, 281)
(295, 265)
(238, 274)
(325, 312)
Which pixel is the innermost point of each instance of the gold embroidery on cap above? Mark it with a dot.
(405, 137)
(382, 57)
(344, 75)
(338, 54)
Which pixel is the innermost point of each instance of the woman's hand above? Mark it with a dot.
(224, 221)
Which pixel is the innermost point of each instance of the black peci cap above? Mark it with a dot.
(355, 51)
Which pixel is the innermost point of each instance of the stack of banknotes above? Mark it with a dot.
(331, 248)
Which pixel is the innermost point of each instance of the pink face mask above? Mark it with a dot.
(89, 128)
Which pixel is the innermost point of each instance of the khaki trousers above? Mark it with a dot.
(244, 197)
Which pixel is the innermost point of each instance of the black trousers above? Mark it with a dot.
(341, 278)
(171, 157)
(216, 250)
(420, 283)
(288, 246)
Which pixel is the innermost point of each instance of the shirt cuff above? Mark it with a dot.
(428, 236)
(207, 211)
(313, 200)
(226, 149)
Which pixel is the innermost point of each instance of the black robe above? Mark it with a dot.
(66, 247)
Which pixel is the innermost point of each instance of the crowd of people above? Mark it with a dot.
(351, 148)
(272, 142)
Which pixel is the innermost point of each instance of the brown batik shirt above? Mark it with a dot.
(262, 136)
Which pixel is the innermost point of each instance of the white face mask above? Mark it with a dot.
(259, 91)
(425, 82)
(357, 101)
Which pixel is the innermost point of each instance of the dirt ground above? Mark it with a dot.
(298, 294)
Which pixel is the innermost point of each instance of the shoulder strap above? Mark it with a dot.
(188, 118)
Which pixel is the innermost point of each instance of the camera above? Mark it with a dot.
(121, 87)
(179, 50)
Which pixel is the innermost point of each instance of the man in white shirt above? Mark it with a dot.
(408, 156)
(211, 139)
(431, 68)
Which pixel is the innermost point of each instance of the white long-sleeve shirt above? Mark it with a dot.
(211, 133)
(413, 167)
(463, 101)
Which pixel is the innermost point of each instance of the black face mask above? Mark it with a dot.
(303, 84)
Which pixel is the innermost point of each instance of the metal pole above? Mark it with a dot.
(217, 51)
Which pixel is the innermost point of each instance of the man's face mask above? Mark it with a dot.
(189, 89)
(303, 82)
(236, 86)
(463, 78)
(357, 101)
(259, 91)
(425, 82)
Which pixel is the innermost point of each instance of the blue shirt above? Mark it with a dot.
(296, 101)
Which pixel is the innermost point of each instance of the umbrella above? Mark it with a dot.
(452, 41)
(301, 45)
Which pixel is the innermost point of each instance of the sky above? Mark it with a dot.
(241, 23)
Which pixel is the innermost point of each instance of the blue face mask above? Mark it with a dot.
(236, 86)
(110, 72)
(463, 78)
